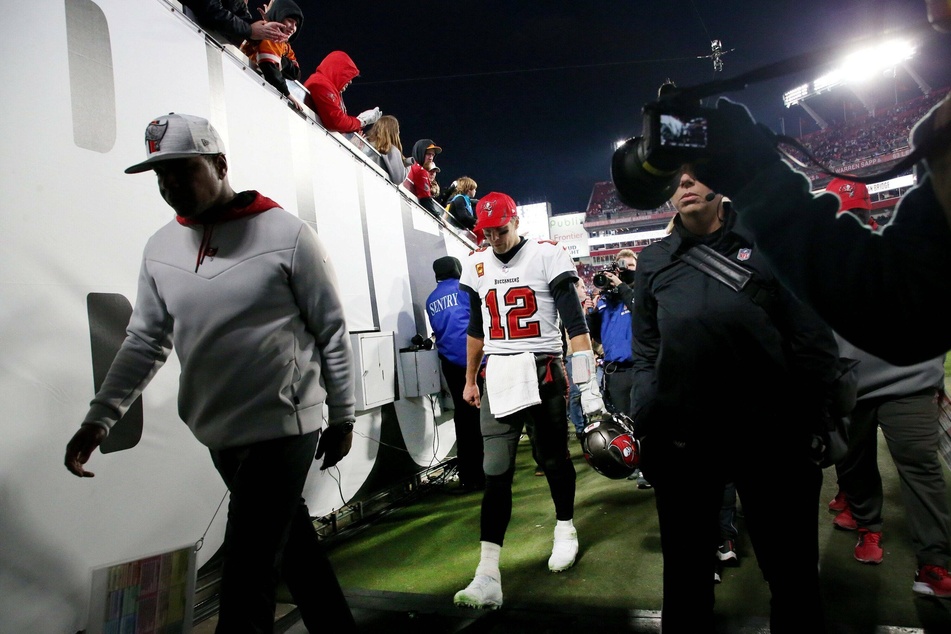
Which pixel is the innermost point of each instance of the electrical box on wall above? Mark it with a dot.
(420, 372)
(374, 369)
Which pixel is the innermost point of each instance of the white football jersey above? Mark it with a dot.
(518, 309)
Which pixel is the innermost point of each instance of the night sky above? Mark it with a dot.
(529, 98)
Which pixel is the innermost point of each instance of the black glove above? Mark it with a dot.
(747, 149)
(334, 444)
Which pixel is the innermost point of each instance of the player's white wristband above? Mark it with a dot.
(582, 367)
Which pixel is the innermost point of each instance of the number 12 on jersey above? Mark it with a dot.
(521, 306)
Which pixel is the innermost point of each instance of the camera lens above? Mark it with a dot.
(636, 186)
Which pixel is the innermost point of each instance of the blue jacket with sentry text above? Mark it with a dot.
(448, 311)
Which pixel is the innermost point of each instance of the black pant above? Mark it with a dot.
(270, 533)
(468, 434)
(779, 487)
(549, 421)
(617, 389)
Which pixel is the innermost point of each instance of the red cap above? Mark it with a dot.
(853, 195)
(494, 210)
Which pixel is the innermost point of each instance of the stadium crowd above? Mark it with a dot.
(872, 135)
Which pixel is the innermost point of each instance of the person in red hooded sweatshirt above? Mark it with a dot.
(325, 88)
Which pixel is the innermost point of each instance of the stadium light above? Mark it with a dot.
(827, 81)
(857, 66)
(795, 95)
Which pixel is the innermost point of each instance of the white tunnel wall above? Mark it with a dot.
(73, 223)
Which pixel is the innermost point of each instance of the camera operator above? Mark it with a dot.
(846, 272)
(610, 325)
(728, 390)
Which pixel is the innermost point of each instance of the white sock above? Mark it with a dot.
(489, 562)
(564, 524)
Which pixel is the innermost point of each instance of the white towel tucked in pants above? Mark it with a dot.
(511, 381)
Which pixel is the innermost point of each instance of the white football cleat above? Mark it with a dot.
(564, 550)
(482, 592)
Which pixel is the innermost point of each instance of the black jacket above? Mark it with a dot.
(230, 18)
(708, 356)
(858, 280)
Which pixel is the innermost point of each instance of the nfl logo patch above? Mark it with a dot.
(744, 254)
(480, 269)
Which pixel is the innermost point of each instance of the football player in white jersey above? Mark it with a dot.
(522, 287)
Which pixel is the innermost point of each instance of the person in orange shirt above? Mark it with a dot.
(275, 59)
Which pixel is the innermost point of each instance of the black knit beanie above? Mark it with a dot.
(447, 267)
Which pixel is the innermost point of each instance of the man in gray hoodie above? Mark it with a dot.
(245, 293)
(903, 402)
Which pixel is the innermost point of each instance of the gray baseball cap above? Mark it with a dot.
(175, 136)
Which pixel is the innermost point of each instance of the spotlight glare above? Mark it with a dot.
(859, 66)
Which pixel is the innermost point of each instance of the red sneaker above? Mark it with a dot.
(868, 550)
(845, 521)
(933, 581)
(838, 503)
